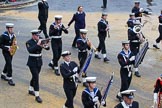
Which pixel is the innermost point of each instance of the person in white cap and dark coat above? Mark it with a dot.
(43, 16)
(138, 11)
(55, 32)
(34, 47)
(91, 96)
(6, 41)
(83, 45)
(103, 28)
(69, 71)
(126, 60)
(128, 101)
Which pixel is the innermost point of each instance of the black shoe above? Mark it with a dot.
(103, 7)
(106, 59)
(97, 56)
(85, 84)
(155, 46)
(119, 98)
(51, 65)
(31, 93)
(11, 83)
(38, 99)
(137, 74)
(57, 72)
(3, 77)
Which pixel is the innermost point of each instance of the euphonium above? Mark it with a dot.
(13, 47)
(138, 30)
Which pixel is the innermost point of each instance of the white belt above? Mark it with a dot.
(126, 66)
(135, 41)
(160, 23)
(56, 37)
(82, 51)
(35, 55)
(7, 46)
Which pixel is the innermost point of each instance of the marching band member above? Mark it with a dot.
(69, 71)
(6, 41)
(158, 92)
(43, 16)
(91, 96)
(79, 18)
(83, 45)
(138, 11)
(103, 28)
(34, 47)
(134, 39)
(160, 32)
(55, 33)
(128, 101)
(126, 60)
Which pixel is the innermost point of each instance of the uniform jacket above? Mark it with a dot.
(33, 48)
(158, 85)
(134, 105)
(137, 12)
(87, 99)
(67, 74)
(132, 35)
(57, 31)
(43, 10)
(6, 40)
(79, 19)
(102, 25)
(160, 18)
(82, 44)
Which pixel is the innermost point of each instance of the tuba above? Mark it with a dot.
(138, 30)
(13, 47)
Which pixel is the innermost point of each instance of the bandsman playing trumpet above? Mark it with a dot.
(7, 40)
(83, 45)
(103, 31)
(34, 47)
(55, 33)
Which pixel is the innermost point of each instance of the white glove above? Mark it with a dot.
(75, 69)
(95, 99)
(149, 13)
(141, 10)
(155, 98)
(103, 103)
(132, 58)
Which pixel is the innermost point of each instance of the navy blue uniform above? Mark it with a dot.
(56, 41)
(160, 29)
(134, 105)
(43, 16)
(34, 62)
(79, 19)
(102, 34)
(69, 82)
(82, 51)
(125, 64)
(87, 98)
(130, 22)
(6, 41)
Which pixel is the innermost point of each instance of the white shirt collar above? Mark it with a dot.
(67, 63)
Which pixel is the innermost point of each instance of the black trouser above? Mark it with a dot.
(8, 65)
(82, 56)
(125, 80)
(134, 47)
(35, 77)
(101, 47)
(56, 45)
(70, 93)
(104, 3)
(77, 32)
(43, 26)
(160, 36)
